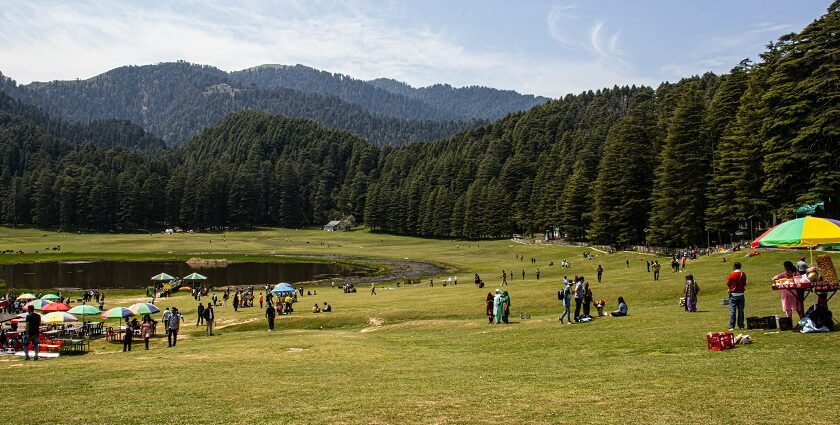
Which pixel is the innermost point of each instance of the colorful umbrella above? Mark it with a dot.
(58, 317)
(20, 317)
(26, 297)
(50, 297)
(117, 313)
(805, 232)
(54, 307)
(36, 304)
(162, 277)
(142, 309)
(195, 276)
(85, 310)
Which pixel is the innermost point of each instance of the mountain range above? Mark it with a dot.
(176, 100)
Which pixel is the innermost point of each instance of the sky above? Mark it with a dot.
(541, 47)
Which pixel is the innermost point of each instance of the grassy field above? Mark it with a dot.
(416, 354)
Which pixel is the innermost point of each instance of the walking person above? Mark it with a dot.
(497, 307)
(656, 266)
(648, 265)
(504, 278)
(523, 274)
(200, 312)
(600, 271)
(578, 297)
(166, 315)
(269, 315)
(538, 274)
(209, 317)
(489, 307)
(690, 294)
(373, 289)
(146, 329)
(736, 284)
(173, 325)
(33, 332)
(236, 301)
(565, 295)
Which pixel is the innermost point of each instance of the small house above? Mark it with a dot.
(333, 226)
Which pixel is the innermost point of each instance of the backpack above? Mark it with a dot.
(560, 295)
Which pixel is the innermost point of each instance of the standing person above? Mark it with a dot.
(683, 261)
(802, 267)
(33, 332)
(565, 295)
(489, 307)
(690, 294)
(627, 262)
(173, 325)
(523, 274)
(497, 306)
(166, 315)
(505, 307)
(648, 265)
(538, 274)
(269, 315)
(146, 329)
(373, 289)
(200, 313)
(455, 280)
(225, 297)
(261, 300)
(504, 278)
(736, 284)
(578, 297)
(215, 299)
(600, 271)
(790, 299)
(209, 317)
(236, 301)
(656, 266)
(587, 299)
(128, 337)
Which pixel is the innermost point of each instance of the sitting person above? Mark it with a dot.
(622, 308)
(819, 313)
(316, 309)
(327, 308)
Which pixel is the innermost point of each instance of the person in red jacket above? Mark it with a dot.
(737, 283)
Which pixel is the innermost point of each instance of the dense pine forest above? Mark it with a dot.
(669, 165)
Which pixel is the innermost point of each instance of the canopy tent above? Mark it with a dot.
(283, 288)
(162, 277)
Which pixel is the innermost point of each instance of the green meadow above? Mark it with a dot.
(420, 354)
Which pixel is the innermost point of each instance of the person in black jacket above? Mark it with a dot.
(33, 332)
(209, 316)
(200, 311)
(269, 314)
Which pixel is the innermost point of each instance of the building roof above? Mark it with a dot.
(333, 223)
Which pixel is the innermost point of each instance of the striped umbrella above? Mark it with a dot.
(142, 309)
(54, 307)
(117, 313)
(50, 297)
(162, 277)
(84, 310)
(805, 232)
(58, 317)
(36, 304)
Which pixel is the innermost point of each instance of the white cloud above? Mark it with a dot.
(79, 40)
(557, 22)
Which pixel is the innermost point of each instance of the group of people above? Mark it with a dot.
(498, 307)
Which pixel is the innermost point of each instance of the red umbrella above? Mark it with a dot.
(55, 307)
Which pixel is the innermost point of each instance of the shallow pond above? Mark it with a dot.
(136, 274)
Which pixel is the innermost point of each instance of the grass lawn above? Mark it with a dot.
(416, 354)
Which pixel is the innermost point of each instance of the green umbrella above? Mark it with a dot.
(162, 277)
(50, 297)
(195, 276)
(84, 310)
(142, 309)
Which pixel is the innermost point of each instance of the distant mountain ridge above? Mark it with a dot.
(176, 100)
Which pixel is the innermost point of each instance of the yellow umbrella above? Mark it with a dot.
(58, 317)
(26, 297)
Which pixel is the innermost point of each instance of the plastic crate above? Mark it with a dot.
(717, 341)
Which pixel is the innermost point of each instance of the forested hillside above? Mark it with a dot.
(177, 100)
(673, 165)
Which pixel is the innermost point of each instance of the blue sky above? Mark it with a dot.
(543, 47)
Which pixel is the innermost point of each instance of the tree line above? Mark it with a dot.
(625, 165)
